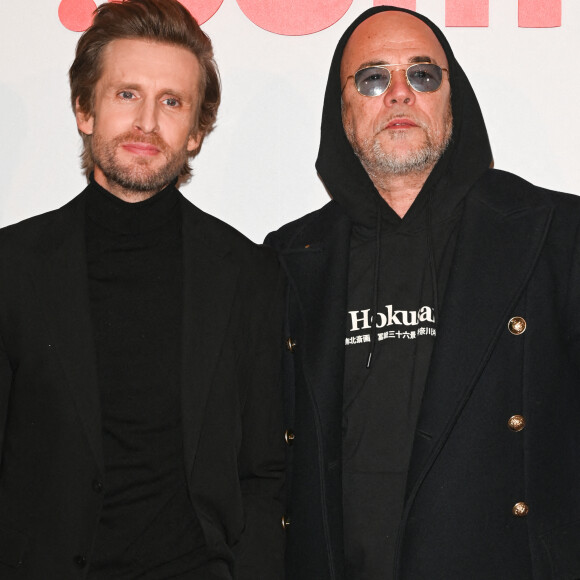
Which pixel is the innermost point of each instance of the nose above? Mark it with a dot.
(147, 118)
(399, 91)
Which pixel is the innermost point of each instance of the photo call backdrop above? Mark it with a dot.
(256, 170)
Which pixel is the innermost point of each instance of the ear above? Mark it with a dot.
(193, 141)
(85, 121)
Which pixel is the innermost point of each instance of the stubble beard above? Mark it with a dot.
(381, 165)
(138, 176)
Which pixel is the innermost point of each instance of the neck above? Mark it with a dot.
(128, 195)
(400, 191)
(123, 193)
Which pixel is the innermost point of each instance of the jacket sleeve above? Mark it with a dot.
(260, 553)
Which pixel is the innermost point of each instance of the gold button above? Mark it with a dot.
(517, 325)
(289, 436)
(290, 344)
(285, 521)
(516, 423)
(520, 509)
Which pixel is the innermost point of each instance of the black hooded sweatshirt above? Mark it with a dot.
(398, 269)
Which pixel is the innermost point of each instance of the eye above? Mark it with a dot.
(127, 95)
(372, 81)
(425, 77)
(421, 73)
(171, 102)
(372, 75)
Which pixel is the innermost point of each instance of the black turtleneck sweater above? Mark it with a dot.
(147, 527)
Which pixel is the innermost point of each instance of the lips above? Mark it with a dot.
(139, 148)
(400, 123)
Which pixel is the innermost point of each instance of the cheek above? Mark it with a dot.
(110, 123)
(436, 118)
(442, 110)
(176, 130)
(363, 118)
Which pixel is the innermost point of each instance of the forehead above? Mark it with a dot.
(137, 60)
(390, 37)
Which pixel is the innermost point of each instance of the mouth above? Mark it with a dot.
(138, 148)
(400, 123)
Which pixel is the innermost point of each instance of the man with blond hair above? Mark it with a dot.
(139, 410)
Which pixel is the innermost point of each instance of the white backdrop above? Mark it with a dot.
(256, 171)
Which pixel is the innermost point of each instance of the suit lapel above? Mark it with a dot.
(61, 282)
(318, 274)
(209, 283)
(494, 258)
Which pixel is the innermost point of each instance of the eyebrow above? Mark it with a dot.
(412, 60)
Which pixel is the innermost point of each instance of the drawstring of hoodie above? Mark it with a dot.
(432, 265)
(432, 270)
(375, 302)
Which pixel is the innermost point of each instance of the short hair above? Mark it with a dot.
(164, 21)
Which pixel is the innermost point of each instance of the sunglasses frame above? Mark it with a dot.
(387, 66)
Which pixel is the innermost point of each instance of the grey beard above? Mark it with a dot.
(380, 165)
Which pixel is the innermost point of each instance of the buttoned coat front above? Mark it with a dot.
(51, 462)
(484, 501)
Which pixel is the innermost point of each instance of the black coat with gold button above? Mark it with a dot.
(494, 485)
(490, 495)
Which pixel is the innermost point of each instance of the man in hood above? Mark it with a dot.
(433, 334)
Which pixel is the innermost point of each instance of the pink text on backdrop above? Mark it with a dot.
(467, 13)
(310, 16)
(408, 4)
(533, 12)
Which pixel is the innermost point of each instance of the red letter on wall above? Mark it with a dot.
(294, 18)
(408, 4)
(202, 10)
(539, 13)
(76, 15)
(467, 13)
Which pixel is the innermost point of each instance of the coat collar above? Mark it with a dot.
(209, 287)
(502, 232)
(61, 282)
(319, 254)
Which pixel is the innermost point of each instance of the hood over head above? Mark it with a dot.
(464, 161)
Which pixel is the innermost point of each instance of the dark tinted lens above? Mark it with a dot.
(372, 81)
(425, 78)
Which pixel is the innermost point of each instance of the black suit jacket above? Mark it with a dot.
(517, 254)
(50, 421)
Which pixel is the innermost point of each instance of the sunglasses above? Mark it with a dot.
(423, 77)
